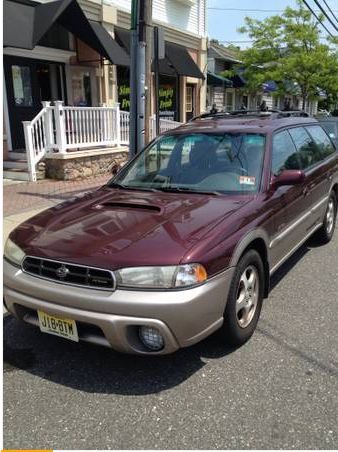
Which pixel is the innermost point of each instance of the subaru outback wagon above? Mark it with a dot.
(182, 241)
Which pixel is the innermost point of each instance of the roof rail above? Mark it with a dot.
(273, 114)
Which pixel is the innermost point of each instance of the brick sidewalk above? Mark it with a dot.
(21, 197)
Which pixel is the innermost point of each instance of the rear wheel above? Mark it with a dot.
(245, 299)
(325, 233)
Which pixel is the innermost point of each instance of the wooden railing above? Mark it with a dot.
(165, 125)
(124, 127)
(60, 128)
(39, 137)
(91, 126)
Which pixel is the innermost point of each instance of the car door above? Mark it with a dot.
(320, 172)
(309, 160)
(291, 220)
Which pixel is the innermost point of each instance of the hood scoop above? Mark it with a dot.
(128, 206)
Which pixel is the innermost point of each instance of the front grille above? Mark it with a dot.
(73, 274)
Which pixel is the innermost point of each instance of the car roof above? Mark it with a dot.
(262, 125)
(328, 119)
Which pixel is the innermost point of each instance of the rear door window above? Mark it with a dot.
(284, 153)
(321, 139)
(309, 152)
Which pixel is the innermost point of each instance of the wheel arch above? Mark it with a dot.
(258, 241)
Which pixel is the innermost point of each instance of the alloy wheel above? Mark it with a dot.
(247, 296)
(330, 216)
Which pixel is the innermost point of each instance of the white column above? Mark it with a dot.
(48, 125)
(27, 127)
(60, 124)
(118, 124)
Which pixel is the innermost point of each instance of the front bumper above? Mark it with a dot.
(183, 317)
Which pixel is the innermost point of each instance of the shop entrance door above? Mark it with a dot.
(28, 83)
(190, 102)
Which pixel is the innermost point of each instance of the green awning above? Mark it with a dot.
(218, 80)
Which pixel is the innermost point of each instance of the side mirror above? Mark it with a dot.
(288, 177)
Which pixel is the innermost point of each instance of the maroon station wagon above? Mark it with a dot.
(182, 241)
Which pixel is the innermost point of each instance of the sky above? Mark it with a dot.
(223, 24)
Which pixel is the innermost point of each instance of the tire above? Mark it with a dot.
(325, 233)
(240, 323)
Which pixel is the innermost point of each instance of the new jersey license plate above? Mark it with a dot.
(58, 326)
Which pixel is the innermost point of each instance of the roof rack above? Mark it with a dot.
(272, 114)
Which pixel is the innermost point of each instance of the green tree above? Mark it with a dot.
(288, 50)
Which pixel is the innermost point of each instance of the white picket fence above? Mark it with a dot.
(61, 128)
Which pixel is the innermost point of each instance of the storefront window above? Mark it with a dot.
(167, 97)
(22, 86)
(229, 101)
(123, 90)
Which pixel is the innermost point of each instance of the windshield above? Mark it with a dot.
(218, 163)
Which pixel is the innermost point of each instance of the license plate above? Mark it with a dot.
(58, 326)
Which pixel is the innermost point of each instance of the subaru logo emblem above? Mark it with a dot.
(62, 271)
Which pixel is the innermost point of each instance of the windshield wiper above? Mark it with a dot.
(190, 190)
(130, 187)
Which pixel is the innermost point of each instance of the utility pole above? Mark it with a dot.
(139, 16)
(148, 57)
(159, 53)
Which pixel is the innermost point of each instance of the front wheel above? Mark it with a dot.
(245, 299)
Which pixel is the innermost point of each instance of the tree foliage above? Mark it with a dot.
(288, 50)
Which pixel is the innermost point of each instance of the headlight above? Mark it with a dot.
(168, 277)
(13, 253)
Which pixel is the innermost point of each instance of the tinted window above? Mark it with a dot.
(308, 150)
(322, 141)
(284, 153)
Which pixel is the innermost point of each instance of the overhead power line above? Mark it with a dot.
(318, 19)
(216, 8)
(248, 41)
(331, 11)
(326, 15)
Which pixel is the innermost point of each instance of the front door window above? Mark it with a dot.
(22, 86)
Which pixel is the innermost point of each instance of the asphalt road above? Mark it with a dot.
(280, 390)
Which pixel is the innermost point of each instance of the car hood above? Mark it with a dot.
(112, 228)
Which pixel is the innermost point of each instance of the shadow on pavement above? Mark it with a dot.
(96, 369)
(293, 260)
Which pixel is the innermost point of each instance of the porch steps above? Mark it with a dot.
(17, 155)
(15, 164)
(15, 174)
(16, 168)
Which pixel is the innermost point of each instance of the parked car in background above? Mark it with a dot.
(183, 241)
(330, 125)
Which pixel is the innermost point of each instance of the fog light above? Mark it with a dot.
(151, 338)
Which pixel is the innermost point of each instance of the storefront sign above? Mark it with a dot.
(167, 94)
(124, 97)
